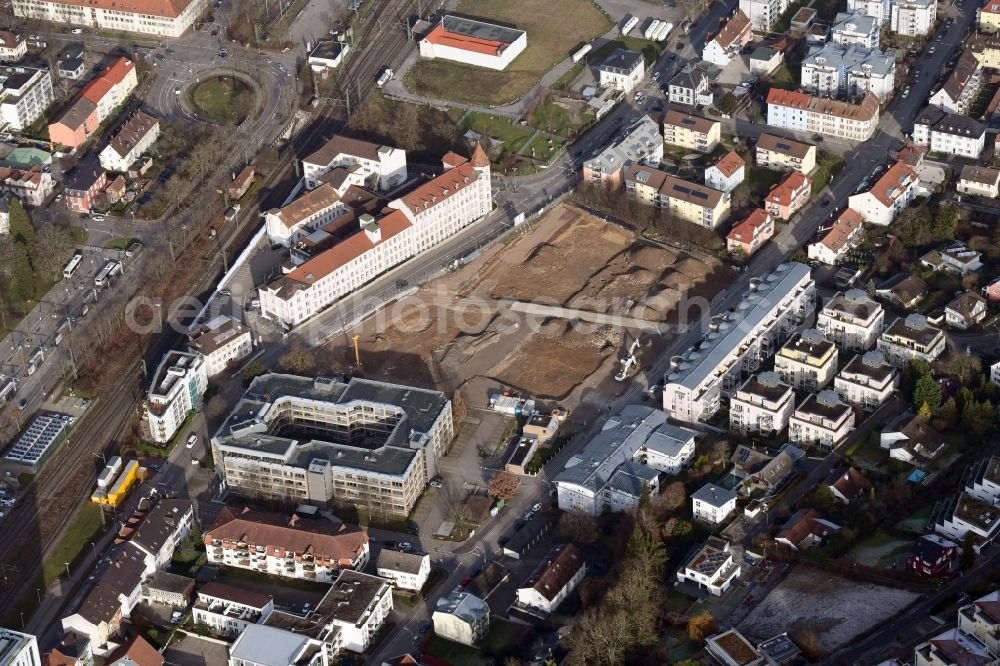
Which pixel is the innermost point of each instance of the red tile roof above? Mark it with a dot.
(730, 164)
(140, 653)
(840, 232)
(745, 230)
(112, 76)
(892, 183)
(784, 192)
(479, 158)
(866, 110)
(736, 27)
(168, 8)
(456, 40)
(440, 188)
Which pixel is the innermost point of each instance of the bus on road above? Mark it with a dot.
(73, 264)
(111, 269)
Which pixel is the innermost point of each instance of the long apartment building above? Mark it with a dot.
(888, 196)
(363, 443)
(135, 137)
(808, 361)
(683, 199)
(164, 18)
(911, 338)
(177, 388)
(381, 167)
(762, 404)
(949, 133)
(852, 320)
(292, 547)
(780, 154)
(802, 112)
(737, 343)
(96, 102)
(25, 92)
(409, 225)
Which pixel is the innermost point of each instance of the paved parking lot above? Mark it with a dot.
(196, 651)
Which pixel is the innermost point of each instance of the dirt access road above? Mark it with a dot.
(459, 331)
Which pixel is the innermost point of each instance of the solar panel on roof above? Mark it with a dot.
(784, 146)
(744, 456)
(687, 121)
(682, 189)
(699, 194)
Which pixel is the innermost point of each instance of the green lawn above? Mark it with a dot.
(556, 119)
(648, 48)
(222, 99)
(761, 180)
(503, 640)
(783, 78)
(827, 166)
(119, 243)
(267, 579)
(555, 29)
(84, 528)
(917, 521)
(878, 550)
(513, 135)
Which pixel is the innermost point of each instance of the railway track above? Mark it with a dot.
(62, 485)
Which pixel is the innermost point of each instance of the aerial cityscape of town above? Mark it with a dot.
(499, 332)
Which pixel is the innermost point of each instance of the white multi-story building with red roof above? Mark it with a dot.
(789, 196)
(729, 41)
(749, 235)
(890, 194)
(834, 240)
(165, 18)
(473, 42)
(726, 174)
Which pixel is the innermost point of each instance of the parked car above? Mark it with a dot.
(436, 483)
(424, 627)
(537, 506)
(528, 515)
(192, 440)
(405, 546)
(99, 218)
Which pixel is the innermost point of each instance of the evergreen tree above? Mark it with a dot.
(20, 225)
(927, 392)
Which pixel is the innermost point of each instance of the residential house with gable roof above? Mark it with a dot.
(833, 241)
(932, 555)
(781, 154)
(903, 290)
(749, 235)
(407, 571)
(911, 438)
(691, 132)
(949, 133)
(622, 70)
(888, 196)
(726, 44)
(382, 167)
(965, 311)
(789, 196)
(134, 138)
(726, 174)
(554, 579)
(961, 87)
(96, 102)
(849, 485)
(956, 258)
(461, 617)
(685, 200)
(690, 87)
(979, 180)
(712, 504)
(801, 112)
(806, 528)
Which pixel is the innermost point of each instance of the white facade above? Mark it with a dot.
(914, 18)
(762, 404)
(770, 311)
(222, 342)
(229, 614)
(856, 28)
(17, 649)
(807, 362)
(358, 628)
(309, 212)
(839, 70)
(554, 579)
(911, 338)
(609, 473)
(132, 140)
(383, 166)
(880, 9)
(712, 504)
(852, 320)
(711, 567)
(25, 93)
(892, 192)
(763, 14)
(473, 43)
(12, 47)
(822, 419)
(969, 515)
(719, 178)
(406, 571)
(461, 617)
(622, 70)
(177, 388)
(866, 381)
(802, 112)
(834, 241)
(417, 221)
(159, 17)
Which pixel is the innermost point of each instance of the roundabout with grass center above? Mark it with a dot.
(222, 99)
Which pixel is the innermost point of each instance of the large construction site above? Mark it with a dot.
(547, 312)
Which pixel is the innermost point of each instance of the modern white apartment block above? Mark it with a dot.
(822, 419)
(763, 14)
(736, 344)
(911, 338)
(473, 42)
(807, 362)
(25, 92)
(163, 18)
(781, 154)
(880, 9)
(965, 514)
(222, 342)
(374, 445)
(762, 404)
(726, 45)
(266, 645)
(622, 70)
(17, 649)
(913, 18)
(983, 479)
(949, 647)
(848, 70)
(833, 241)
(358, 604)
(13, 47)
(712, 504)
(177, 388)
(134, 138)
(554, 579)
(639, 143)
(409, 225)
(981, 620)
(383, 167)
(867, 381)
(227, 610)
(609, 473)
(406, 571)
(852, 320)
(856, 28)
(949, 133)
(892, 192)
(802, 112)
(711, 567)
(961, 87)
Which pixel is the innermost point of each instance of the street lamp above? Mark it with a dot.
(68, 575)
(95, 550)
(38, 593)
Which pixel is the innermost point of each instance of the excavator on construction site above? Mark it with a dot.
(628, 361)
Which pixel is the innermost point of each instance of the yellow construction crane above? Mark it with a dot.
(357, 352)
